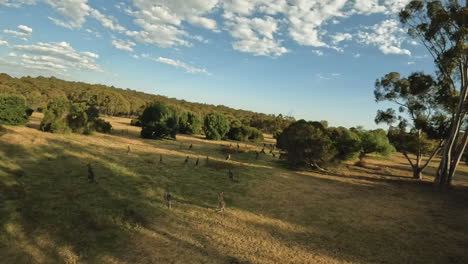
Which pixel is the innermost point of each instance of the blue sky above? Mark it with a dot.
(312, 59)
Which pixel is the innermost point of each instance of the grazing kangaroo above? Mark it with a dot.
(231, 175)
(186, 160)
(168, 199)
(228, 157)
(274, 155)
(198, 160)
(128, 149)
(263, 150)
(160, 158)
(190, 147)
(91, 177)
(221, 203)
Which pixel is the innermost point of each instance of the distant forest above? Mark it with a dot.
(125, 102)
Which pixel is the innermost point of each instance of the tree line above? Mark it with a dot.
(114, 101)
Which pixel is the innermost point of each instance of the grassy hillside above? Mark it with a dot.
(49, 213)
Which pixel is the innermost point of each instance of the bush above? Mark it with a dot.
(159, 121)
(190, 123)
(216, 126)
(307, 143)
(100, 125)
(63, 116)
(13, 110)
(347, 143)
(3, 130)
(135, 122)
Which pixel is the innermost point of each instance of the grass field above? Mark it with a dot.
(49, 213)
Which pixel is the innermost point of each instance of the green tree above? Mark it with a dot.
(216, 126)
(159, 121)
(347, 143)
(190, 123)
(419, 111)
(13, 110)
(373, 141)
(307, 143)
(441, 28)
(63, 116)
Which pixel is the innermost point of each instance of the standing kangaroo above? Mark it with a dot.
(91, 177)
(221, 203)
(168, 199)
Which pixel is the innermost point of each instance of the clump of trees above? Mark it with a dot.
(190, 123)
(63, 116)
(241, 132)
(159, 121)
(109, 100)
(421, 121)
(313, 144)
(441, 27)
(216, 126)
(14, 110)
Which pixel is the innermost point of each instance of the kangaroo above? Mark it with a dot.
(198, 160)
(228, 157)
(263, 150)
(168, 199)
(186, 160)
(128, 149)
(190, 147)
(221, 203)
(91, 177)
(257, 155)
(231, 175)
(160, 158)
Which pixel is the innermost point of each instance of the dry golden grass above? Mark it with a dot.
(373, 214)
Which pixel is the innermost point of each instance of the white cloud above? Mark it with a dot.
(122, 44)
(3, 42)
(57, 55)
(25, 29)
(318, 52)
(259, 27)
(388, 36)
(328, 76)
(255, 35)
(90, 54)
(339, 37)
(182, 65)
(357, 55)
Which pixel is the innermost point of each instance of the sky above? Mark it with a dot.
(311, 59)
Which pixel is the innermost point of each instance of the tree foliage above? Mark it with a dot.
(13, 110)
(190, 123)
(421, 121)
(125, 102)
(441, 28)
(63, 116)
(159, 121)
(216, 126)
(240, 132)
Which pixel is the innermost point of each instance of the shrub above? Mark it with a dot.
(307, 143)
(13, 110)
(135, 122)
(63, 116)
(216, 126)
(159, 121)
(100, 125)
(347, 143)
(3, 130)
(190, 123)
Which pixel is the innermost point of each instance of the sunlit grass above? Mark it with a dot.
(51, 214)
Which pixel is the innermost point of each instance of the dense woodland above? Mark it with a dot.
(114, 101)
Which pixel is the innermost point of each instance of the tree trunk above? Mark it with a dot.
(452, 153)
(417, 173)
